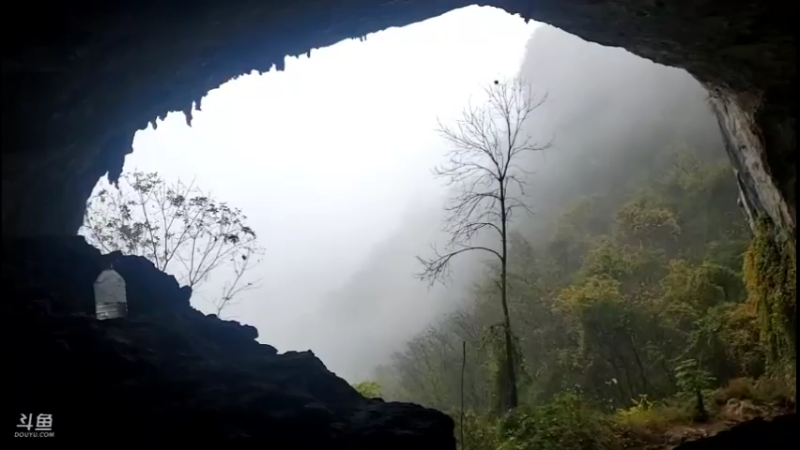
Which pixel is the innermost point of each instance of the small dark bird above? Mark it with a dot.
(496, 82)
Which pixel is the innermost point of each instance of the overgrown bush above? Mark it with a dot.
(647, 418)
(768, 391)
(776, 390)
(655, 293)
(565, 423)
(480, 432)
(770, 271)
(368, 389)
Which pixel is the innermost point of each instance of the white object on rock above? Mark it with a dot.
(110, 299)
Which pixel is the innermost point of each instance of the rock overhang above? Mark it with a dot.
(81, 77)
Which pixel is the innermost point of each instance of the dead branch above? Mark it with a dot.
(482, 169)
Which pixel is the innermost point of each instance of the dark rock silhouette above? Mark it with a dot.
(80, 77)
(169, 370)
(780, 432)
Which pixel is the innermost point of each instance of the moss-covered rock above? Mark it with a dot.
(770, 271)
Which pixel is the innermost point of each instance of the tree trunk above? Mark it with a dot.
(700, 414)
(639, 365)
(463, 369)
(511, 383)
(617, 380)
(668, 373)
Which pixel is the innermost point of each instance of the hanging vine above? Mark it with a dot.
(493, 346)
(770, 272)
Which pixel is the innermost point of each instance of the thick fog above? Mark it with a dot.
(605, 107)
(331, 161)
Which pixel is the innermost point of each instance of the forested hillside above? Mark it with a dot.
(627, 288)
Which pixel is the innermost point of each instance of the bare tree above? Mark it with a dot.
(177, 227)
(240, 264)
(483, 167)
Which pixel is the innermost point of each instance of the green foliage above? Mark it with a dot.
(481, 432)
(646, 417)
(369, 389)
(771, 276)
(777, 391)
(691, 377)
(565, 423)
(740, 332)
(493, 343)
(620, 301)
(645, 220)
(596, 306)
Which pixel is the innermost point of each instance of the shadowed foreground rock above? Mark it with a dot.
(168, 370)
(778, 433)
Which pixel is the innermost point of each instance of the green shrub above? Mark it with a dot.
(770, 273)
(737, 388)
(565, 423)
(646, 418)
(773, 391)
(480, 431)
(368, 389)
(776, 390)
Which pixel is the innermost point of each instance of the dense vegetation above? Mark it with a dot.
(636, 302)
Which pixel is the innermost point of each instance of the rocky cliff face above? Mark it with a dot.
(168, 370)
(607, 112)
(759, 181)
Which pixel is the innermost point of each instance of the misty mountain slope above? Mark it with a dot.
(374, 311)
(607, 111)
(634, 276)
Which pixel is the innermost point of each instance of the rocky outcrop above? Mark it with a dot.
(80, 77)
(761, 195)
(168, 370)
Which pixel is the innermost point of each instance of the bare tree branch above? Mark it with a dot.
(178, 227)
(438, 267)
(236, 286)
(483, 168)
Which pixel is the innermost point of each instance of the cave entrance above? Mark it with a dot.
(341, 140)
(84, 75)
(329, 163)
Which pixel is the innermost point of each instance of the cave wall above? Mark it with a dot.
(80, 77)
(761, 193)
(168, 370)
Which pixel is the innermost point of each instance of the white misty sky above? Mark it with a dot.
(326, 156)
